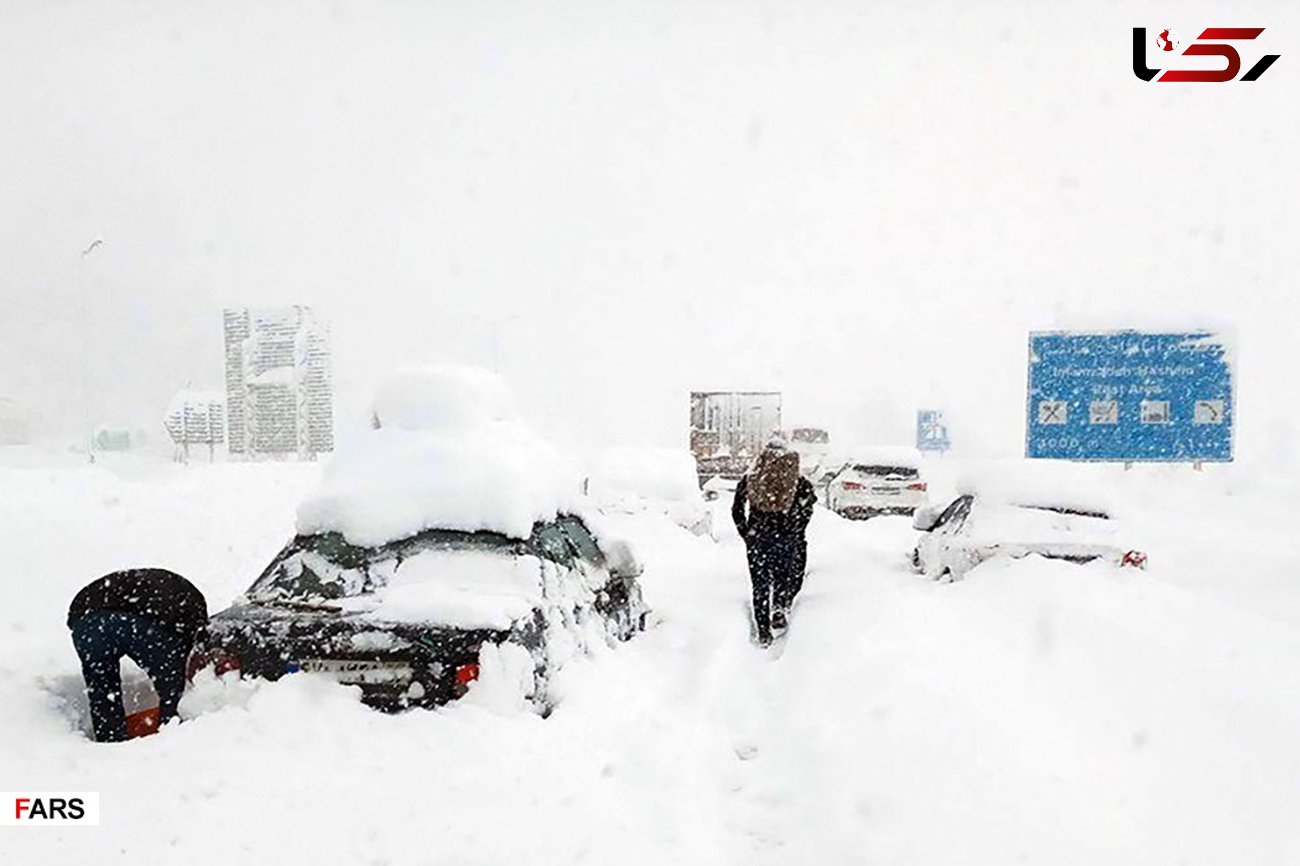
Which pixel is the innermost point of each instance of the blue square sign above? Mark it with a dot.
(1129, 396)
(931, 431)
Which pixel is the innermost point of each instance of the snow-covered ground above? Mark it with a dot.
(1036, 712)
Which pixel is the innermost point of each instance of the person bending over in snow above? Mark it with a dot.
(772, 508)
(149, 614)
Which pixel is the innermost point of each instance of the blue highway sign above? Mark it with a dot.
(931, 431)
(1129, 396)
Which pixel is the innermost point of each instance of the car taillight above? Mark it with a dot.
(920, 485)
(218, 659)
(1135, 559)
(142, 723)
(850, 485)
(465, 674)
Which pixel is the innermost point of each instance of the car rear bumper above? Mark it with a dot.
(860, 512)
(408, 667)
(867, 503)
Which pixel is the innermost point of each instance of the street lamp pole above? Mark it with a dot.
(85, 348)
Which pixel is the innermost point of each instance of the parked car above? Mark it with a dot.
(813, 445)
(650, 481)
(972, 530)
(719, 488)
(406, 621)
(888, 483)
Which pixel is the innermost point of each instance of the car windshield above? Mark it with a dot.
(317, 569)
(1071, 510)
(810, 435)
(886, 471)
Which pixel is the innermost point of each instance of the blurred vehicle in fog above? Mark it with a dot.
(813, 445)
(729, 428)
(650, 480)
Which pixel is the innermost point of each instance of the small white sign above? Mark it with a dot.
(48, 808)
(1155, 412)
(1052, 411)
(1208, 412)
(1103, 412)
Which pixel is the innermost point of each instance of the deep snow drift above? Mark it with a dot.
(1036, 712)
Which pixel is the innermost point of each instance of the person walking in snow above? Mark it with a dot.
(151, 615)
(772, 508)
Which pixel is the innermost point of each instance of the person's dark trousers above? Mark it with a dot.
(788, 576)
(763, 566)
(800, 568)
(102, 638)
(773, 572)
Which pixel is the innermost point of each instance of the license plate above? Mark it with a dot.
(359, 672)
(886, 491)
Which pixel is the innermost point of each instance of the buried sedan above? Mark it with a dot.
(974, 529)
(409, 622)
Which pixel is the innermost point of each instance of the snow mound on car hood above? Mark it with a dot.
(448, 452)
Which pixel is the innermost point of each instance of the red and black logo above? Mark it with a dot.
(1213, 42)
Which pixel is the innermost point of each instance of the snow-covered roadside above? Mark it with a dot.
(296, 771)
(64, 524)
(1036, 712)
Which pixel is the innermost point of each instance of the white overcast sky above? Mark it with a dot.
(866, 205)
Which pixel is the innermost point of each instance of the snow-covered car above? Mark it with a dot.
(813, 445)
(650, 480)
(442, 543)
(719, 488)
(974, 529)
(409, 621)
(883, 483)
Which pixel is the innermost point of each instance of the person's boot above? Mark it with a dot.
(779, 620)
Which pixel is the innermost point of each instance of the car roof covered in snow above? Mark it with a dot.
(448, 451)
(1041, 484)
(880, 455)
(992, 522)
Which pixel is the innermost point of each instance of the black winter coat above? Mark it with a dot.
(163, 596)
(773, 524)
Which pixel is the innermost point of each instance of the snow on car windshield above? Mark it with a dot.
(323, 568)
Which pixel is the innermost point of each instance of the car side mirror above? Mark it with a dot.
(621, 561)
(926, 517)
